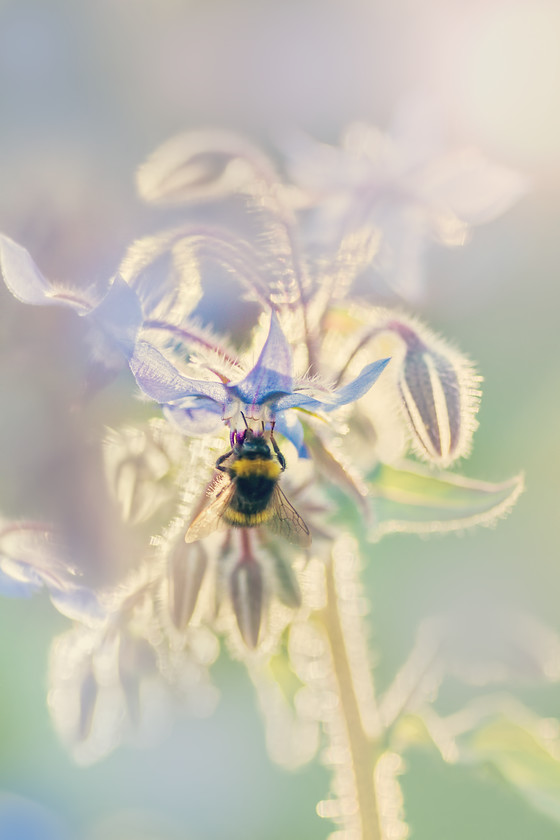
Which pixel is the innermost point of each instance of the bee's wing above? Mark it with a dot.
(210, 517)
(286, 521)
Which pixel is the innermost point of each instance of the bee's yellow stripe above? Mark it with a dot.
(244, 467)
(246, 520)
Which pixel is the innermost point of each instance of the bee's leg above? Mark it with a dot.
(281, 459)
(221, 460)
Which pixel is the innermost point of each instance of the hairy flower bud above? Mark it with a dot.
(438, 388)
(139, 468)
(186, 567)
(246, 588)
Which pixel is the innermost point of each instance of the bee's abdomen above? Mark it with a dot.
(252, 493)
(254, 482)
(249, 504)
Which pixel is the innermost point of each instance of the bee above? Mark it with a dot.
(247, 493)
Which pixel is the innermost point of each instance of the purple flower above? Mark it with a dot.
(112, 311)
(32, 559)
(409, 186)
(266, 392)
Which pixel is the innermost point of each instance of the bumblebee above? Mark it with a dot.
(246, 494)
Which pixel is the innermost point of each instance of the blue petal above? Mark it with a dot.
(161, 381)
(290, 426)
(13, 588)
(347, 394)
(199, 417)
(272, 373)
(25, 281)
(78, 603)
(359, 386)
(297, 400)
(118, 316)
(115, 319)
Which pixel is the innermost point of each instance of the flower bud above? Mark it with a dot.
(186, 567)
(246, 589)
(138, 468)
(438, 388)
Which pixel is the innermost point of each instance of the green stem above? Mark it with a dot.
(363, 750)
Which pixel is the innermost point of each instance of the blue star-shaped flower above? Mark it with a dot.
(266, 393)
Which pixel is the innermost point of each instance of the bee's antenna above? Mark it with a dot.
(262, 421)
(245, 420)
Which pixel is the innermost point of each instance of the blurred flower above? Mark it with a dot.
(406, 186)
(120, 679)
(110, 310)
(140, 465)
(32, 558)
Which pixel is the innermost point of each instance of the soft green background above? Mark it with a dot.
(86, 92)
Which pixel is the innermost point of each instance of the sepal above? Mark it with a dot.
(409, 498)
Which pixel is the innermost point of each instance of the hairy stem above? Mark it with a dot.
(362, 748)
(190, 337)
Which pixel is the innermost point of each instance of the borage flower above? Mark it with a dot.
(409, 185)
(295, 617)
(426, 401)
(111, 309)
(117, 681)
(264, 395)
(33, 557)
(249, 571)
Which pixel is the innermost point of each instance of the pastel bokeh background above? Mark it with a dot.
(87, 90)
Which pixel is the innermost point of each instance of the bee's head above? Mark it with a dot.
(249, 443)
